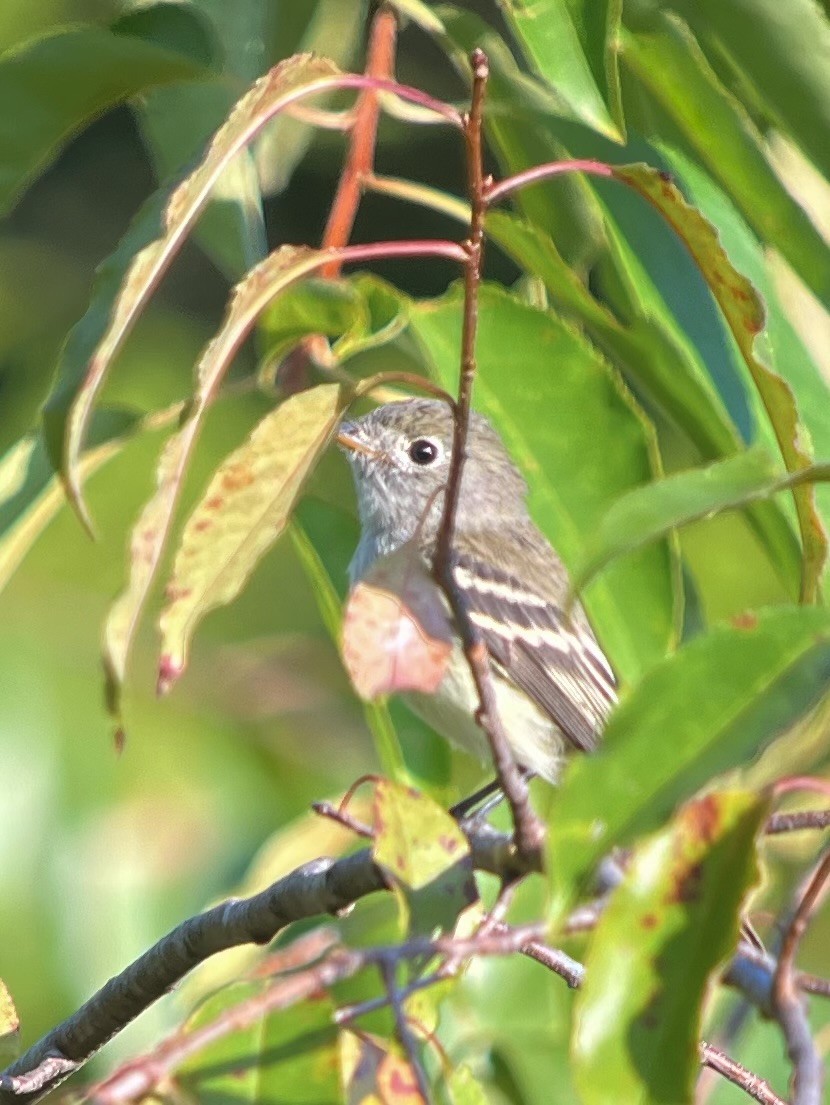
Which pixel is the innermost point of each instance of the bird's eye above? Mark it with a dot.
(423, 451)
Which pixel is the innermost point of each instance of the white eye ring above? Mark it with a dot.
(424, 451)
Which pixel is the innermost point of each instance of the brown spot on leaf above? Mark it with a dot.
(686, 883)
(704, 818)
(214, 502)
(746, 620)
(649, 921)
(202, 525)
(236, 477)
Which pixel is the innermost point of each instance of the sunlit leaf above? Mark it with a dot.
(397, 633)
(71, 76)
(707, 709)
(744, 314)
(421, 848)
(244, 510)
(150, 534)
(670, 924)
(465, 1089)
(648, 513)
(663, 55)
(572, 43)
(128, 277)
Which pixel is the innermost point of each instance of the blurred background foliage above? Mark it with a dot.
(102, 853)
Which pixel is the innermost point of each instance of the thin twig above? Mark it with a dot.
(789, 1005)
(733, 1071)
(529, 830)
(540, 173)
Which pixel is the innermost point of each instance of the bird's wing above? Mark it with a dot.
(555, 659)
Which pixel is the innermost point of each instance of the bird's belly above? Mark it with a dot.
(534, 739)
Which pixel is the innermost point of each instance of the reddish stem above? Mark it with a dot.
(538, 173)
(360, 160)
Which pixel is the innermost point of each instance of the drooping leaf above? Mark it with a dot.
(423, 851)
(572, 44)
(176, 123)
(648, 513)
(709, 708)
(72, 76)
(244, 510)
(744, 314)
(286, 1055)
(128, 277)
(581, 441)
(149, 537)
(397, 633)
(670, 924)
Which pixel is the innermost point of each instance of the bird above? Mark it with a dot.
(554, 685)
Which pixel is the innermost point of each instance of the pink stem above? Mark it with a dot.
(539, 173)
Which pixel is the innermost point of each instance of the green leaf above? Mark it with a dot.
(422, 850)
(649, 513)
(744, 314)
(709, 708)
(782, 53)
(287, 1055)
(573, 45)
(128, 277)
(667, 61)
(580, 439)
(464, 1088)
(70, 77)
(244, 510)
(668, 926)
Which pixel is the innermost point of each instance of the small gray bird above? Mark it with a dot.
(554, 686)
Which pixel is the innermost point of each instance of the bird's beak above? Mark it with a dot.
(348, 437)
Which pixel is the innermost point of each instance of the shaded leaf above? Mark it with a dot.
(245, 508)
(287, 1055)
(667, 928)
(581, 441)
(72, 76)
(783, 53)
(667, 61)
(744, 314)
(397, 633)
(572, 44)
(709, 708)
(648, 513)
(421, 848)
(128, 277)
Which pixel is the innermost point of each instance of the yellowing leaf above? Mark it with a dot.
(9, 1027)
(244, 510)
(374, 1075)
(397, 634)
(149, 537)
(421, 848)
